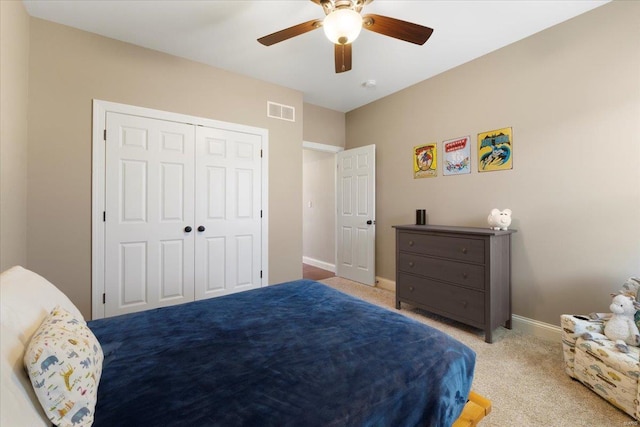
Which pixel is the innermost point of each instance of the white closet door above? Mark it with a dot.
(228, 203)
(149, 257)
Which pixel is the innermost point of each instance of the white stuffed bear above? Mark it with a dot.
(499, 220)
(621, 326)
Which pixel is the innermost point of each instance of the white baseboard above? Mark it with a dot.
(320, 264)
(528, 326)
(536, 328)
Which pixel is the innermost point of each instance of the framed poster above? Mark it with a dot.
(425, 161)
(456, 156)
(495, 150)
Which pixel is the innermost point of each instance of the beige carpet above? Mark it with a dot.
(522, 375)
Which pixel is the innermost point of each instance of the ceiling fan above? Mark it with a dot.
(342, 24)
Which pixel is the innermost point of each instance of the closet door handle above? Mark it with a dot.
(187, 229)
(201, 228)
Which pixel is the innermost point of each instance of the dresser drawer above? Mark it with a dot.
(470, 275)
(442, 298)
(460, 248)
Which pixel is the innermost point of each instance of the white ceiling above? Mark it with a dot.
(223, 34)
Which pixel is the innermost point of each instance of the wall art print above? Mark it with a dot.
(456, 154)
(425, 161)
(495, 150)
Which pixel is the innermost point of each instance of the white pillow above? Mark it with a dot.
(64, 362)
(25, 300)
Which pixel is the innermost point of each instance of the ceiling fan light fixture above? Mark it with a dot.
(342, 26)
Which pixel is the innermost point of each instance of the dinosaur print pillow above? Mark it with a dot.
(64, 362)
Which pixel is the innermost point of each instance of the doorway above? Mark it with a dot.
(339, 211)
(318, 210)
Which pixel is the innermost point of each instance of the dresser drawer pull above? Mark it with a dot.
(464, 250)
(411, 288)
(410, 242)
(464, 303)
(411, 264)
(465, 275)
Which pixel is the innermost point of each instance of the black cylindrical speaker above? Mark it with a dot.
(421, 217)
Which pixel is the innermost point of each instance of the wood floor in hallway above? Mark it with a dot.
(314, 273)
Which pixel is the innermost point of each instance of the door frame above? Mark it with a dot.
(336, 150)
(98, 170)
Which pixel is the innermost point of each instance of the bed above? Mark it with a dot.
(298, 353)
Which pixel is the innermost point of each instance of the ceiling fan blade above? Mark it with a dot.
(290, 32)
(403, 30)
(343, 57)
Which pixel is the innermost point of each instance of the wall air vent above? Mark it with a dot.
(280, 111)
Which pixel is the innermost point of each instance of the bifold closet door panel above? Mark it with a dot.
(228, 211)
(149, 187)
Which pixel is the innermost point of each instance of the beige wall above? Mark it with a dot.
(14, 90)
(319, 219)
(323, 126)
(572, 95)
(69, 68)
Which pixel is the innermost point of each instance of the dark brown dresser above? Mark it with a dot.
(462, 273)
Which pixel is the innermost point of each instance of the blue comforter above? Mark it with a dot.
(295, 354)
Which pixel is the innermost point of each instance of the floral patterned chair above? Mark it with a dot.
(598, 364)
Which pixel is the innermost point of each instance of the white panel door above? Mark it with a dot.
(356, 229)
(149, 199)
(228, 212)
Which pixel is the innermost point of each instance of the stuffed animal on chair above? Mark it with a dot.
(620, 327)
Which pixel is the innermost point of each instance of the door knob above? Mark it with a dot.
(369, 222)
(201, 228)
(187, 229)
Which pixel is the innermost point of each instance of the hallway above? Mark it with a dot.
(314, 273)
